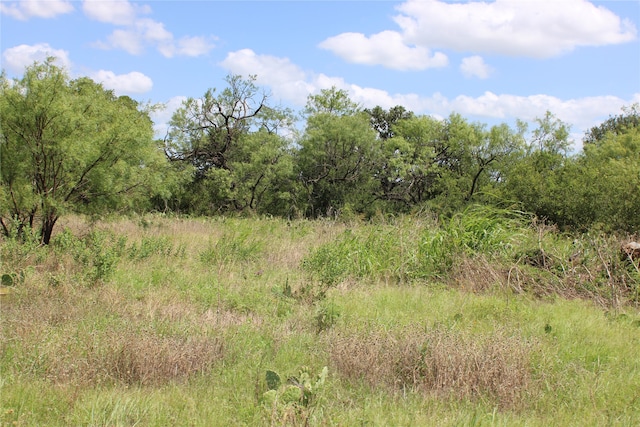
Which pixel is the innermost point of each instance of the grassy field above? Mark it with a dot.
(488, 318)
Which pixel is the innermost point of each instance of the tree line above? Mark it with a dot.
(68, 145)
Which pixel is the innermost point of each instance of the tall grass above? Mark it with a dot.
(486, 318)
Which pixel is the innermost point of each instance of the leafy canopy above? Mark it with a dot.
(69, 146)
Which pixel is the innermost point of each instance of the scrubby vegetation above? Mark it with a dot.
(488, 317)
(70, 146)
(370, 267)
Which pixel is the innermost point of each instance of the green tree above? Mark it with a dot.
(332, 101)
(337, 153)
(491, 155)
(206, 131)
(409, 170)
(383, 121)
(231, 141)
(539, 180)
(610, 181)
(599, 187)
(69, 146)
(262, 177)
(551, 136)
(630, 118)
(444, 163)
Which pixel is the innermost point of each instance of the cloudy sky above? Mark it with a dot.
(491, 61)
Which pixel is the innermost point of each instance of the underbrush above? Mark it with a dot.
(480, 249)
(486, 318)
(438, 362)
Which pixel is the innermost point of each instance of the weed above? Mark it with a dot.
(329, 262)
(439, 361)
(414, 331)
(153, 245)
(293, 401)
(491, 232)
(98, 252)
(327, 314)
(376, 252)
(231, 248)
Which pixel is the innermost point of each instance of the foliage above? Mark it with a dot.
(231, 142)
(598, 188)
(263, 178)
(536, 178)
(332, 101)
(205, 131)
(443, 164)
(293, 398)
(550, 136)
(610, 181)
(384, 121)
(69, 146)
(629, 119)
(336, 155)
(409, 169)
(547, 318)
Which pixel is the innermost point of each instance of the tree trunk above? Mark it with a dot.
(47, 228)
(474, 183)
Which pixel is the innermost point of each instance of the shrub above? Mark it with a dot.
(379, 252)
(292, 401)
(477, 230)
(439, 361)
(231, 248)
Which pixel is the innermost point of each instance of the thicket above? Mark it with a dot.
(352, 162)
(230, 152)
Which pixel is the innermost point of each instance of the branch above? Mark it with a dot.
(80, 183)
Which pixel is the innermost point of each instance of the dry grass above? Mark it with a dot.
(93, 336)
(165, 315)
(439, 362)
(165, 306)
(477, 274)
(129, 357)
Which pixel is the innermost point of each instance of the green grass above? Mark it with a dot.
(486, 319)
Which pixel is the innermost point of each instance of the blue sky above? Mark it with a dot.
(491, 61)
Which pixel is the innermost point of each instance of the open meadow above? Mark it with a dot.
(487, 318)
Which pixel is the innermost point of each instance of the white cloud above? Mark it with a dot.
(290, 83)
(538, 29)
(117, 12)
(137, 33)
(162, 116)
(194, 46)
(17, 58)
(386, 48)
(25, 9)
(130, 83)
(287, 80)
(153, 31)
(127, 40)
(579, 112)
(474, 66)
(186, 46)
